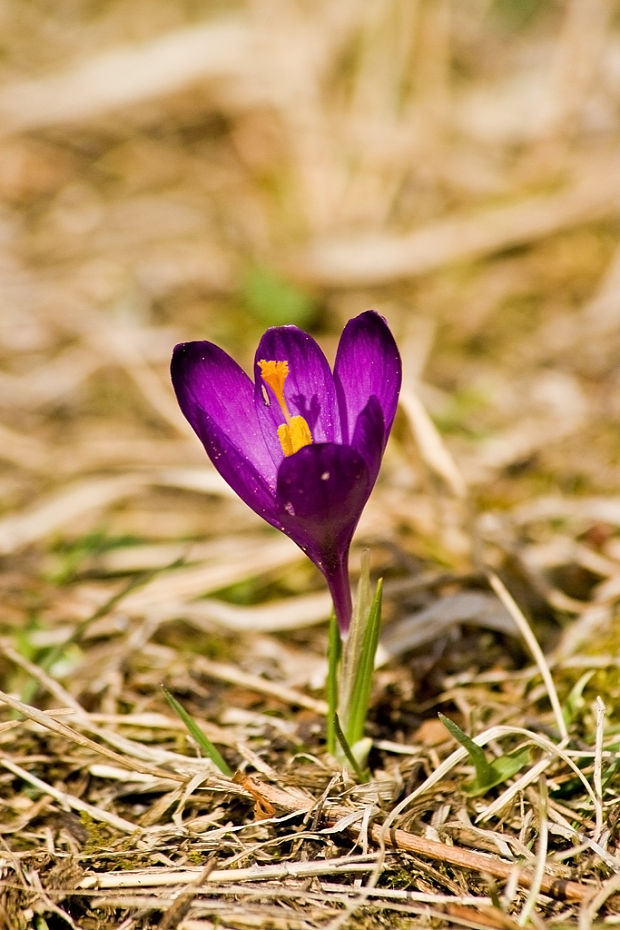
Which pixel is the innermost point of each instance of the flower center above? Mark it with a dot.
(294, 433)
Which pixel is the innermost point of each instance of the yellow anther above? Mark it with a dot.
(294, 433)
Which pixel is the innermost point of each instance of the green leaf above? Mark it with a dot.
(609, 773)
(334, 652)
(575, 702)
(362, 686)
(349, 752)
(484, 770)
(489, 774)
(358, 660)
(203, 741)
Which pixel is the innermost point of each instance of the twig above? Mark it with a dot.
(156, 878)
(175, 914)
(482, 863)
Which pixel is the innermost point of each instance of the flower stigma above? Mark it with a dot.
(294, 433)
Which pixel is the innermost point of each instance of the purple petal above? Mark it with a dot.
(217, 398)
(321, 493)
(367, 364)
(309, 389)
(369, 437)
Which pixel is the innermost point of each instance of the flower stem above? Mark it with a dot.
(337, 577)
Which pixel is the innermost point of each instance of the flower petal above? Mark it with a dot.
(217, 398)
(309, 389)
(321, 493)
(322, 489)
(369, 437)
(367, 363)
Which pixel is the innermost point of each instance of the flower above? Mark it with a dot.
(300, 445)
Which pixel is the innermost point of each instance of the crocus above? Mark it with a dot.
(300, 444)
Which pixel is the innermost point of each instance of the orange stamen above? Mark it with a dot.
(275, 374)
(294, 433)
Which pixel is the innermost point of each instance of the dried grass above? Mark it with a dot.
(456, 166)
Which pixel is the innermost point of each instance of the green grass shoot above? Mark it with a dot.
(202, 740)
(489, 773)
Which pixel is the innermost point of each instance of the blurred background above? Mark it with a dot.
(204, 170)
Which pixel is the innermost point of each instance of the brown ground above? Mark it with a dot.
(172, 172)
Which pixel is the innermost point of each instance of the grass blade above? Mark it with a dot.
(334, 652)
(203, 741)
(362, 686)
(348, 752)
(488, 774)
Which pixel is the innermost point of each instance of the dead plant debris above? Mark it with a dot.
(170, 173)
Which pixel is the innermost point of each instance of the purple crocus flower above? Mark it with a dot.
(300, 445)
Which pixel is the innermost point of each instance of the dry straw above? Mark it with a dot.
(455, 166)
